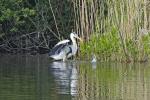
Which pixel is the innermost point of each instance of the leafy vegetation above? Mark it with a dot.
(14, 16)
(27, 26)
(108, 47)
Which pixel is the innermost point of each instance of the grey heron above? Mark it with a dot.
(65, 49)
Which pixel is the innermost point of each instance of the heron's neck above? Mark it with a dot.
(73, 40)
(74, 45)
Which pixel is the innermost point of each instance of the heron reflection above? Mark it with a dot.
(65, 74)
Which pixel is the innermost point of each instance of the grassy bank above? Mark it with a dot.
(108, 47)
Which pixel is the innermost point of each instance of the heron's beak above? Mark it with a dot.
(80, 39)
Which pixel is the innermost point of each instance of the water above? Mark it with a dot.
(37, 78)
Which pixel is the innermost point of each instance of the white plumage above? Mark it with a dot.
(62, 42)
(65, 49)
(94, 60)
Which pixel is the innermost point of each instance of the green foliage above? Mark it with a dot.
(23, 15)
(104, 46)
(146, 44)
(132, 49)
(139, 49)
(15, 13)
(108, 47)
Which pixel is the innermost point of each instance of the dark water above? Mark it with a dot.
(37, 78)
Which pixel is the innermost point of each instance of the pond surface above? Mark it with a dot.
(37, 78)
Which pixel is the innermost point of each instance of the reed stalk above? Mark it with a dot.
(100, 17)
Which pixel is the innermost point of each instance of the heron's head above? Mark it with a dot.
(75, 35)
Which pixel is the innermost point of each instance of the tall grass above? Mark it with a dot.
(111, 27)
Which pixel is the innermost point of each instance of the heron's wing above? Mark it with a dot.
(62, 42)
(58, 48)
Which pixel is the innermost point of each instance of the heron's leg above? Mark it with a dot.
(73, 57)
(64, 58)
